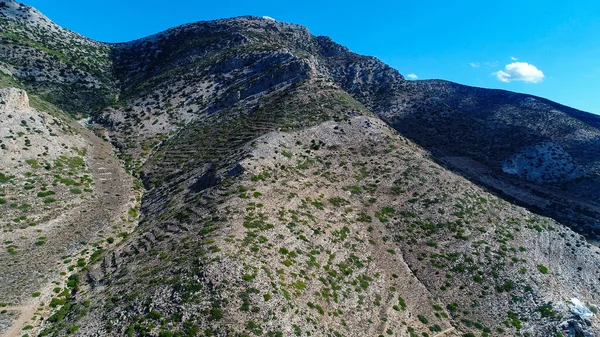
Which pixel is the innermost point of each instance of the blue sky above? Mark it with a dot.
(545, 48)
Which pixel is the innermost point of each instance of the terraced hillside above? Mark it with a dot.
(481, 132)
(277, 203)
(62, 193)
(192, 72)
(340, 229)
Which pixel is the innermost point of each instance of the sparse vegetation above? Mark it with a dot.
(274, 202)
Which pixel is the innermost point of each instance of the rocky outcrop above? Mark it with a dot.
(577, 328)
(12, 99)
(544, 163)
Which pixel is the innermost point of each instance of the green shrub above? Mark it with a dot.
(337, 202)
(55, 302)
(508, 285)
(45, 194)
(363, 217)
(33, 163)
(248, 277)
(435, 328)
(318, 205)
(216, 314)
(402, 303)
(155, 314)
(73, 281)
(514, 320)
(354, 189)
(5, 179)
(546, 310)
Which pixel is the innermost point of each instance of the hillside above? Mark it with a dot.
(62, 67)
(481, 133)
(60, 189)
(291, 188)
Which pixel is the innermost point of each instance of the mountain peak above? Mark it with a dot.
(13, 10)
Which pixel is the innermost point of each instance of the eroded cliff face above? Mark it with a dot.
(544, 163)
(13, 99)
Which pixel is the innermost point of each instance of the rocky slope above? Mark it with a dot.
(278, 204)
(61, 190)
(60, 66)
(477, 132)
(340, 229)
(483, 133)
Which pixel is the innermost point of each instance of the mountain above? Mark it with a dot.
(292, 188)
(60, 187)
(62, 67)
(530, 150)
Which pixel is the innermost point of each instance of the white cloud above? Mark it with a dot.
(520, 71)
(488, 64)
(268, 18)
(514, 58)
(412, 76)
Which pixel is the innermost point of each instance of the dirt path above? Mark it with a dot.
(25, 314)
(27, 311)
(113, 197)
(445, 332)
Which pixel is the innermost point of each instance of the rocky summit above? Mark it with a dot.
(242, 177)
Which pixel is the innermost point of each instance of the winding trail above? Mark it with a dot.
(445, 332)
(113, 198)
(25, 314)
